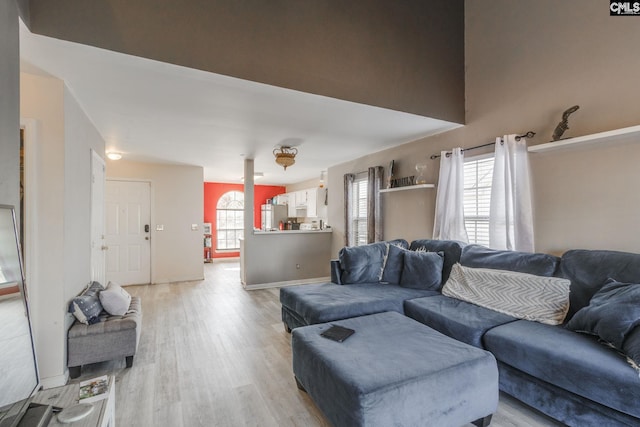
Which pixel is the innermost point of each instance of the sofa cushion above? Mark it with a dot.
(86, 307)
(525, 296)
(588, 271)
(478, 256)
(393, 263)
(451, 248)
(362, 264)
(458, 319)
(115, 300)
(319, 303)
(422, 270)
(574, 362)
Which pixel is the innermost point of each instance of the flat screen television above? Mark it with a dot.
(19, 378)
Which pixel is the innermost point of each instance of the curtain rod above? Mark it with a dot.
(529, 134)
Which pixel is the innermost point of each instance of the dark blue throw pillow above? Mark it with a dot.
(612, 313)
(362, 264)
(422, 270)
(86, 307)
(393, 264)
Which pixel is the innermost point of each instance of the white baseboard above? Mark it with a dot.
(173, 280)
(57, 381)
(287, 283)
(228, 258)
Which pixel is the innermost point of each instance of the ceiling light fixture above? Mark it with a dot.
(113, 155)
(285, 156)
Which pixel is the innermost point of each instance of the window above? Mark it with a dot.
(359, 210)
(478, 174)
(230, 220)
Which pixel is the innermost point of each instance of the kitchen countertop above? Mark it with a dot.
(262, 233)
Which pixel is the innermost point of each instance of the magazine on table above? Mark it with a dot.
(94, 389)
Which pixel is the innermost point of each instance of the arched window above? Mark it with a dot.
(230, 220)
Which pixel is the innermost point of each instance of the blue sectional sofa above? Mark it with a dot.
(574, 377)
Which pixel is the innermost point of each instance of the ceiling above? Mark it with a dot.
(152, 111)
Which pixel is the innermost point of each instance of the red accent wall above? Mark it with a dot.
(212, 193)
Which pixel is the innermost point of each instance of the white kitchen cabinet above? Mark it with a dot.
(312, 202)
(316, 207)
(291, 204)
(301, 198)
(305, 203)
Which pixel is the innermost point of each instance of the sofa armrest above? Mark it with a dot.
(336, 272)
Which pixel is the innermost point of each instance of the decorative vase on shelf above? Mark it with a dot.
(421, 169)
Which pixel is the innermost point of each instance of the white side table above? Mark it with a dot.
(103, 414)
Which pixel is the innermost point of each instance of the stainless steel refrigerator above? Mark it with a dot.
(272, 215)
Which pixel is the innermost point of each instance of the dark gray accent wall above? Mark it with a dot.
(403, 55)
(9, 104)
(23, 10)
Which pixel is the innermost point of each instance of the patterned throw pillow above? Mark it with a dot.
(524, 296)
(115, 300)
(86, 307)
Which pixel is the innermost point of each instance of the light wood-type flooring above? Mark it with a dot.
(213, 354)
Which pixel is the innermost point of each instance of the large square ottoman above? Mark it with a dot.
(394, 371)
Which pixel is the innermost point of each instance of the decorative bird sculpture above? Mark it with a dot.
(564, 123)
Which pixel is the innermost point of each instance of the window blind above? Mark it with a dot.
(359, 210)
(478, 175)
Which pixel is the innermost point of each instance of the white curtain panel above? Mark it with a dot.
(449, 220)
(511, 216)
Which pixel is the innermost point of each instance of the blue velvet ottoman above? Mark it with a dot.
(394, 371)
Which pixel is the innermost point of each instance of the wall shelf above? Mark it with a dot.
(612, 136)
(407, 187)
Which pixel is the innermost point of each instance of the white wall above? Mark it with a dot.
(303, 185)
(176, 202)
(42, 100)
(81, 137)
(61, 262)
(526, 62)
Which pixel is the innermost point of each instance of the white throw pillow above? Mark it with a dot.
(115, 300)
(524, 296)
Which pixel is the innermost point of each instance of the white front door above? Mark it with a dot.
(97, 219)
(128, 218)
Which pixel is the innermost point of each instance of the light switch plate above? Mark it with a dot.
(159, 227)
(194, 227)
